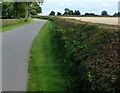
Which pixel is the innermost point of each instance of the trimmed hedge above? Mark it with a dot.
(41, 17)
(90, 55)
(44, 17)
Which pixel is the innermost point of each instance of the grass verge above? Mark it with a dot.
(43, 69)
(4, 29)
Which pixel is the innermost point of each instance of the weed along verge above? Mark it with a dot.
(44, 71)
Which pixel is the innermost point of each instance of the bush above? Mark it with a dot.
(90, 55)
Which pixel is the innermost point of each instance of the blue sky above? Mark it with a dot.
(91, 6)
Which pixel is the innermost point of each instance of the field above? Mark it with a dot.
(104, 20)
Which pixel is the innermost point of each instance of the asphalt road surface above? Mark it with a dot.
(16, 46)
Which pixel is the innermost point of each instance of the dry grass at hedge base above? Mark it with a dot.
(9, 22)
(104, 20)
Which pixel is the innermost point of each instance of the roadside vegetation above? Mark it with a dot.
(90, 62)
(44, 70)
(15, 14)
(43, 17)
(87, 56)
(68, 55)
(9, 24)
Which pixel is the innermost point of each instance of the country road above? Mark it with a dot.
(16, 46)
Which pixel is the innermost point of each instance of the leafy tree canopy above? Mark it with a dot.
(20, 9)
(58, 13)
(104, 13)
(52, 13)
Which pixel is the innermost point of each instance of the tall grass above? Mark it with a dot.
(9, 22)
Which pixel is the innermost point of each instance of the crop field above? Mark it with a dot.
(104, 20)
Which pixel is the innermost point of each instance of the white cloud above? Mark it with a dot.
(105, 4)
(83, 6)
(58, 10)
(62, 4)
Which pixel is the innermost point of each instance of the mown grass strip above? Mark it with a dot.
(43, 69)
(14, 26)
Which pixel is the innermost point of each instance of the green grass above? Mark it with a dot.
(44, 71)
(4, 29)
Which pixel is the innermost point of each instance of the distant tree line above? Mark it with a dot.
(117, 14)
(20, 9)
(68, 12)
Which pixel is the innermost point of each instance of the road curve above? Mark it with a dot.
(16, 45)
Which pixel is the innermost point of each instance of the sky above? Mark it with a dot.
(90, 6)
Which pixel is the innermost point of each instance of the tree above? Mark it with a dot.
(7, 10)
(35, 9)
(77, 12)
(90, 14)
(86, 14)
(115, 14)
(52, 13)
(71, 12)
(68, 12)
(0, 10)
(20, 9)
(58, 13)
(104, 13)
(118, 14)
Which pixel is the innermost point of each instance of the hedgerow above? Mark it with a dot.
(44, 17)
(90, 51)
(40, 17)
